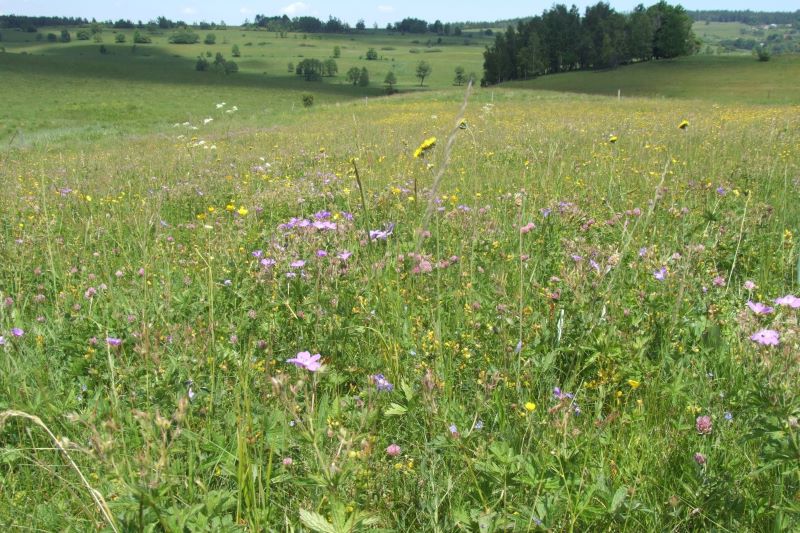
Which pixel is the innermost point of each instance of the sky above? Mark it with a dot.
(371, 11)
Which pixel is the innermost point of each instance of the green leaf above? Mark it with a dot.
(316, 522)
(395, 409)
(409, 391)
(618, 498)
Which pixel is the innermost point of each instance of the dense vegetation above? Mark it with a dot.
(561, 40)
(746, 16)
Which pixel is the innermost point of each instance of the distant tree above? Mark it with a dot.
(360, 26)
(423, 71)
(202, 64)
(96, 28)
(210, 39)
(330, 68)
(290, 67)
(184, 37)
(65, 37)
(52, 38)
(372, 54)
(353, 75)
(231, 67)
(673, 35)
(235, 51)
(390, 81)
(363, 77)
(460, 78)
(103, 49)
(337, 52)
(219, 60)
(310, 69)
(83, 35)
(119, 38)
(140, 38)
(762, 53)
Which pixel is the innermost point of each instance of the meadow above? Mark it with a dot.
(504, 309)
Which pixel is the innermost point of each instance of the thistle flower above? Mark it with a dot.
(703, 425)
(699, 458)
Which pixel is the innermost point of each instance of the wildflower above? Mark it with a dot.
(287, 461)
(527, 227)
(297, 264)
(660, 274)
(684, 124)
(113, 341)
(719, 281)
(612, 139)
(426, 145)
(749, 285)
(721, 191)
(759, 308)
(699, 458)
(478, 425)
(381, 383)
(530, 407)
(90, 292)
(633, 384)
(766, 337)
(321, 253)
(242, 210)
(307, 361)
(2, 341)
(382, 234)
(790, 300)
(642, 251)
(267, 262)
(344, 255)
(453, 431)
(17, 332)
(728, 416)
(393, 450)
(257, 253)
(703, 425)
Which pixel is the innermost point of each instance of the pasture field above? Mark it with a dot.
(568, 313)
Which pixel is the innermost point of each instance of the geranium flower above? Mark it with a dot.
(790, 300)
(759, 308)
(766, 337)
(307, 361)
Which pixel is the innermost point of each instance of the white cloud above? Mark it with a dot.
(189, 11)
(296, 8)
(245, 10)
(385, 9)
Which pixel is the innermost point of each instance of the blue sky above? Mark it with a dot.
(372, 11)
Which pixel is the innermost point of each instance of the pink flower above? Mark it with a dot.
(703, 425)
(749, 285)
(699, 458)
(660, 274)
(766, 337)
(307, 361)
(790, 300)
(527, 227)
(393, 450)
(759, 308)
(719, 281)
(287, 461)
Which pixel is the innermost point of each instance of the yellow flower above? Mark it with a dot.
(612, 139)
(426, 145)
(242, 211)
(633, 383)
(530, 406)
(684, 124)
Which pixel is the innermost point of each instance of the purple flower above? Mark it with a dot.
(112, 341)
(297, 264)
(381, 234)
(545, 211)
(17, 332)
(381, 383)
(699, 458)
(344, 255)
(2, 341)
(307, 361)
(790, 300)
(766, 337)
(719, 281)
(749, 285)
(257, 253)
(759, 308)
(322, 215)
(728, 416)
(642, 251)
(453, 431)
(266, 263)
(321, 253)
(660, 274)
(393, 450)
(721, 191)
(703, 425)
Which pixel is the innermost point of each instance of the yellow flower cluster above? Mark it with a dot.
(426, 145)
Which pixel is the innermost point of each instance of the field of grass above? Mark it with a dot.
(569, 313)
(728, 78)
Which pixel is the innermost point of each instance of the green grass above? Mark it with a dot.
(714, 78)
(533, 263)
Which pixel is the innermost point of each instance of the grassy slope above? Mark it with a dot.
(716, 78)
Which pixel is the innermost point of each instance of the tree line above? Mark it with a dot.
(747, 17)
(31, 23)
(561, 39)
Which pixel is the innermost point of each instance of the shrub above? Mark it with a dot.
(762, 53)
(119, 38)
(310, 69)
(103, 49)
(363, 78)
(353, 74)
(210, 39)
(65, 37)
(308, 100)
(337, 52)
(184, 37)
(231, 67)
(290, 67)
(52, 38)
(330, 68)
(139, 38)
(235, 52)
(83, 35)
(202, 64)
(372, 54)
(390, 81)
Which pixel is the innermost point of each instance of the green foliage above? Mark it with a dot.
(184, 37)
(337, 52)
(210, 39)
(202, 64)
(290, 67)
(762, 53)
(330, 68)
(141, 38)
(235, 52)
(372, 54)
(231, 67)
(119, 38)
(65, 36)
(83, 35)
(310, 69)
(353, 74)
(422, 71)
(103, 49)
(308, 99)
(390, 81)
(460, 78)
(363, 77)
